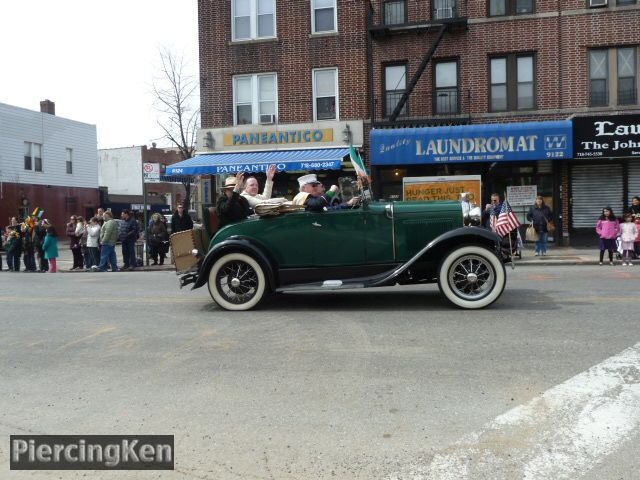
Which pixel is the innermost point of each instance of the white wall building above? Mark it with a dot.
(120, 170)
(48, 162)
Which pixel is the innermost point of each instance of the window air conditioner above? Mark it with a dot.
(442, 13)
(598, 3)
(268, 118)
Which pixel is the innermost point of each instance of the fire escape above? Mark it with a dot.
(445, 20)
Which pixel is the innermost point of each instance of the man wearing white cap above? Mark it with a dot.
(312, 193)
(232, 207)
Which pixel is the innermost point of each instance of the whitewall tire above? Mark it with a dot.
(471, 277)
(237, 282)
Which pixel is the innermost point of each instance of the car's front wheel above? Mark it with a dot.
(237, 282)
(471, 277)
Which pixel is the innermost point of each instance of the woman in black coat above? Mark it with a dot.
(540, 215)
(157, 239)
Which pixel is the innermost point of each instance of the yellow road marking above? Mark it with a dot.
(541, 277)
(89, 337)
(197, 340)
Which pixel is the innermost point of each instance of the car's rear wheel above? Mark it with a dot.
(237, 282)
(471, 277)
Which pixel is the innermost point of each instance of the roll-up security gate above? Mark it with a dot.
(634, 180)
(592, 188)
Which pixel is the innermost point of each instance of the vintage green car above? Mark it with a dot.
(378, 244)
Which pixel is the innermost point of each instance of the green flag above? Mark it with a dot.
(357, 162)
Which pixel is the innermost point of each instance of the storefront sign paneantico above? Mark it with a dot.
(607, 136)
(279, 137)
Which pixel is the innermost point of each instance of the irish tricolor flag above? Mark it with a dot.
(357, 162)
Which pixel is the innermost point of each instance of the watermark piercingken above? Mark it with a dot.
(91, 452)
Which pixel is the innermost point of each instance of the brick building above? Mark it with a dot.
(438, 73)
(281, 85)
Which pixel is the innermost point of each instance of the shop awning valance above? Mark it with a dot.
(497, 142)
(255, 162)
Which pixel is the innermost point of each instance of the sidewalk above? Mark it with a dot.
(563, 256)
(65, 261)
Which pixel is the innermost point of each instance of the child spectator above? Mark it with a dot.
(608, 229)
(628, 234)
(50, 246)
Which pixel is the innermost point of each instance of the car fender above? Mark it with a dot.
(432, 254)
(439, 246)
(236, 244)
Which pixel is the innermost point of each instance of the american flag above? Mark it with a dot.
(506, 221)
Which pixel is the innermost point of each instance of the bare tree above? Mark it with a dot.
(176, 100)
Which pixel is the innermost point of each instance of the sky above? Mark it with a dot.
(96, 60)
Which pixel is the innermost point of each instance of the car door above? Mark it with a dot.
(338, 237)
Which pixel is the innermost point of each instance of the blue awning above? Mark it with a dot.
(496, 142)
(254, 162)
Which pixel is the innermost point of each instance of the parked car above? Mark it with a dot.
(379, 244)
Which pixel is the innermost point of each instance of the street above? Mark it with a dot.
(373, 384)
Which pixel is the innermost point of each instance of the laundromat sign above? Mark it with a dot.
(606, 136)
(278, 137)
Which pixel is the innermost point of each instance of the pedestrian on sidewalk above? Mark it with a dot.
(74, 243)
(608, 229)
(40, 234)
(108, 238)
(93, 239)
(50, 246)
(13, 246)
(128, 234)
(28, 244)
(628, 234)
(540, 215)
(181, 220)
(156, 238)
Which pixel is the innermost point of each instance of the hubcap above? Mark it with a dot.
(471, 277)
(237, 282)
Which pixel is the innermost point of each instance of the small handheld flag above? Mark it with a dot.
(506, 221)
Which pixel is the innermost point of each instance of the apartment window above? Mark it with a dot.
(446, 78)
(613, 78)
(627, 2)
(28, 162)
(510, 7)
(33, 156)
(325, 94)
(253, 19)
(512, 83)
(395, 12)
(69, 161)
(444, 9)
(626, 76)
(323, 16)
(255, 99)
(599, 77)
(395, 84)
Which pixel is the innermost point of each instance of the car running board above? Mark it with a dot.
(319, 286)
